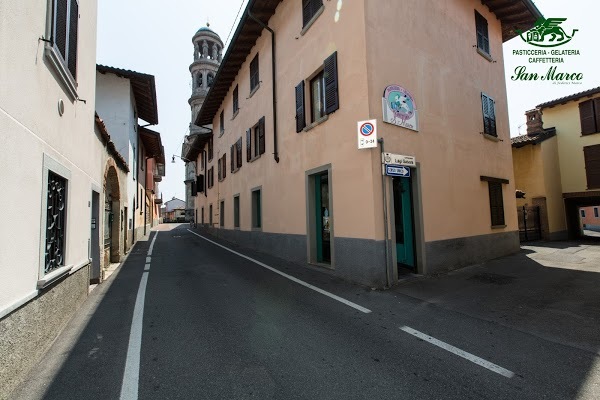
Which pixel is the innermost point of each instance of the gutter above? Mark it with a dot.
(275, 153)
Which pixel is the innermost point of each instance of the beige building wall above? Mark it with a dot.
(445, 74)
(565, 118)
(529, 171)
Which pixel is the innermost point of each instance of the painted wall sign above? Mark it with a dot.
(367, 134)
(399, 108)
(398, 159)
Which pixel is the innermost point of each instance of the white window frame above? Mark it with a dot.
(53, 55)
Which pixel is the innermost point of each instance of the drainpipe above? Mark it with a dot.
(385, 221)
(275, 153)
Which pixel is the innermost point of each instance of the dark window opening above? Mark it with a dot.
(483, 40)
(489, 115)
(496, 203)
(56, 213)
(309, 10)
(254, 76)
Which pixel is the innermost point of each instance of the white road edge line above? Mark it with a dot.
(148, 260)
(131, 375)
(291, 278)
(152, 243)
(461, 353)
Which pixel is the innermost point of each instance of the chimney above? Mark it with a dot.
(534, 122)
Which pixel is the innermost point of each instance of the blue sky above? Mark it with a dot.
(154, 37)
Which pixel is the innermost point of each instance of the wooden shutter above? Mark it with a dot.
(481, 25)
(238, 146)
(219, 169)
(224, 167)
(261, 135)
(300, 117)
(489, 115)
(73, 22)
(248, 145)
(232, 160)
(586, 115)
(591, 155)
(194, 189)
(330, 76)
(597, 113)
(200, 183)
(496, 203)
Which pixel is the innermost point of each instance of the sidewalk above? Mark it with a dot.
(548, 289)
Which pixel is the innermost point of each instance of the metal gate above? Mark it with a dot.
(530, 227)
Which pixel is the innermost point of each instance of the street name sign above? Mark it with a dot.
(398, 159)
(367, 134)
(397, 170)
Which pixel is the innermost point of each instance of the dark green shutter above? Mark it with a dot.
(261, 135)
(481, 26)
(231, 155)
(219, 168)
(60, 26)
(73, 22)
(300, 117)
(248, 145)
(224, 165)
(586, 115)
(489, 115)
(330, 76)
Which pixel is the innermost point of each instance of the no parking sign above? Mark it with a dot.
(367, 134)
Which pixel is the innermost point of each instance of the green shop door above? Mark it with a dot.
(322, 208)
(403, 221)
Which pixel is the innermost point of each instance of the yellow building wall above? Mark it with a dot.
(529, 172)
(553, 187)
(565, 118)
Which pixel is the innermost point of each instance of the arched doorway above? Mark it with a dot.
(112, 216)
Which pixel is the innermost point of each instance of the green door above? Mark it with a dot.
(403, 221)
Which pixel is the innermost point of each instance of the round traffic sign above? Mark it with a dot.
(367, 129)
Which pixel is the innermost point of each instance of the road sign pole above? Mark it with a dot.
(385, 223)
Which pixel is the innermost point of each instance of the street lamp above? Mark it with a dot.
(184, 159)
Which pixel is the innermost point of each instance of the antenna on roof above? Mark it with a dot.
(207, 23)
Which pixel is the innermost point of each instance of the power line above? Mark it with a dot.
(231, 30)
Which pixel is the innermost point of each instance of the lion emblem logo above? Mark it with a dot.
(547, 33)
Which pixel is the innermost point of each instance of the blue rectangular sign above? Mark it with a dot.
(397, 170)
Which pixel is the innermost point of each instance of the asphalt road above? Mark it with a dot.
(220, 326)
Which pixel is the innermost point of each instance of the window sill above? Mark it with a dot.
(492, 137)
(63, 73)
(255, 158)
(53, 276)
(485, 55)
(254, 90)
(235, 170)
(221, 133)
(235, 114)
(317, 122)
(312, 20)
(498, 226)
(256, 229)
(322, 265)
(589, 134)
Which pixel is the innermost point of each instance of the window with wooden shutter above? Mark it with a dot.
(239, 152)
(236, 103)
(330, 78)
(496, 203)
(61, 46)
(300, 117)
(231, 155)
(219, 169)
(73, 22)
(489, 115)
(200, 183)
(483, 40)
(194, 189)
(261, 135)
(221, 123)
(210, 149)
(254, 76)
(309, 10)
(591, 155)
(248, 145)
(224, 167)
(588, 116)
